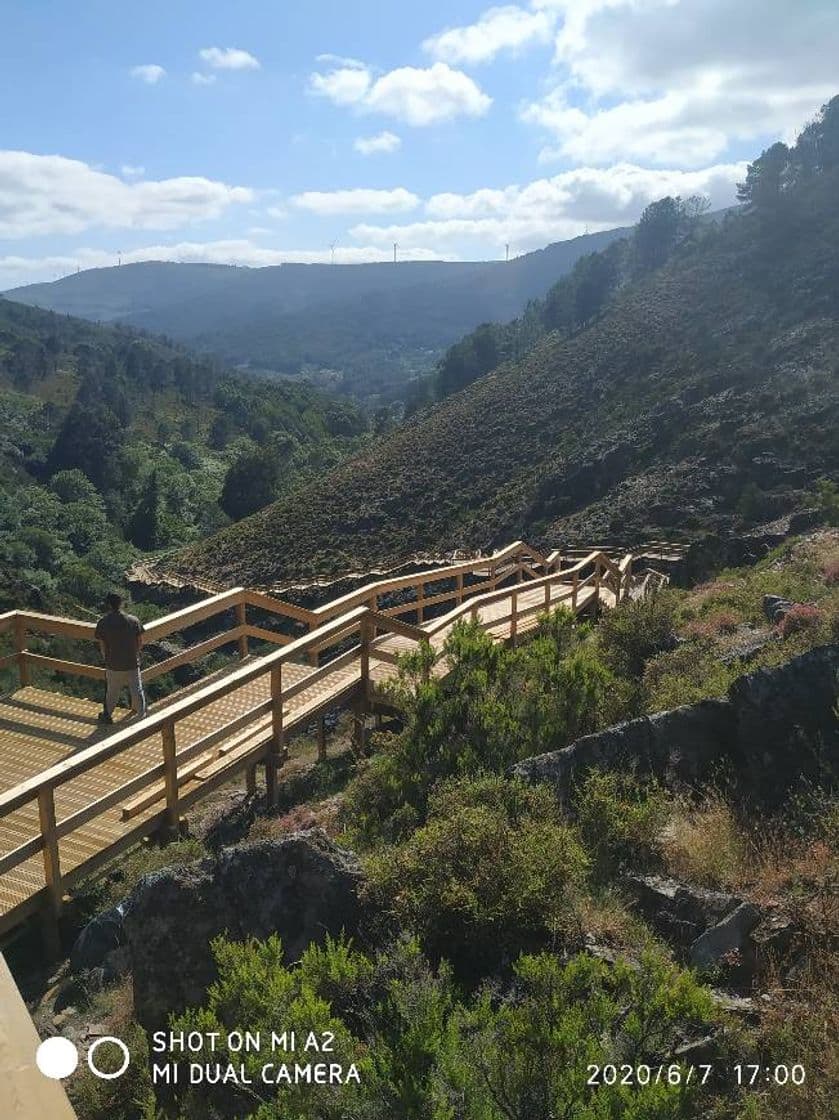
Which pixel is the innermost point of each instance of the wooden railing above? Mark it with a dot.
(348, 630)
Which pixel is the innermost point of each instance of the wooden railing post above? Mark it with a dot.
(420, 597)
(20, 645)
(547, 595)
(627, 579)
(514, 601)
(574, 579)
(361, 704)
(52, 871)
(277, 749)
(313, 653)
(458, 597)
(242, 620)
(170, 779)
(598, 579)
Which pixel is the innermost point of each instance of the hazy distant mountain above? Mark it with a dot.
(377, 325)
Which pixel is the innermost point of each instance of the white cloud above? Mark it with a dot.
(345, 85)
(416, 95)
(680, 81)
(54, 195)
(199, 79)
(381, 142)
(498, 29)
(150, 73)
(17, 270)
(276, 212)
(228, 58)
(553, 209)
(357, 201)
(132, 171)
(342, 61)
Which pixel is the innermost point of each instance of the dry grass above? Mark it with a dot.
(704, 843)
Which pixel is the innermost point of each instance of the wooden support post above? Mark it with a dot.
(598, 578)
(514, 599)
(420, 604)
(170, 779)
(277, 752)
(574, 579)
(241, 620)
(547, 596)
(366, 630)
(321, 738)
(52, 871)
(250, 779)
(23, 669)
(627, 579)
(459, 589)
(313, 653)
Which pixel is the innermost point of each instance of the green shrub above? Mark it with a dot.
(637, 630)
(494, 871)
(494, 707)
(528, 1058)
(685, 675)
(620, 819)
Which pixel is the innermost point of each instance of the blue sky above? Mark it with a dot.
(262, 131)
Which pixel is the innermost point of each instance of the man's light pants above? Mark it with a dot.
(116, 681)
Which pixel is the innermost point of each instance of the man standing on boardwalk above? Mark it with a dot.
(120, 638)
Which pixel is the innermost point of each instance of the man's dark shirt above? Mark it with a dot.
(119, 633)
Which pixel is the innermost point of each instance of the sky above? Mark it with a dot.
(310, 130)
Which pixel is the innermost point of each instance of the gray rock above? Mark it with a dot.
(775, 607)
(730, 935)
(678, 746)
(776, 728)
(678, 911)
(301, 887)
(100, 937)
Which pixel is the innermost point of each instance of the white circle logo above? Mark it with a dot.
(57, 1057)
(126, 1057)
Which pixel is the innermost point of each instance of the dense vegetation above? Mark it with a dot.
(507, 957)
(365, 330)
(113, 444)
(702, 396)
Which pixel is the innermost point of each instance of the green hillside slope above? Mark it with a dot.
(113, 444)
(373, 327)
(704, 397)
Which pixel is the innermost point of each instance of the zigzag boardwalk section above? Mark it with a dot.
(73, 794)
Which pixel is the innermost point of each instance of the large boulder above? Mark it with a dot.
(680, 746)
(302, 887)
(100, 939)
(775, 728)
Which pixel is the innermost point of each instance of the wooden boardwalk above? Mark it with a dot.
(74, 793)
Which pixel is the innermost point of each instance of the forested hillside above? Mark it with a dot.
(697, 391)
(113, 443)
(366, 330)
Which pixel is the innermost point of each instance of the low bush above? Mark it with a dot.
(619, 818)
(801, 618)
(636, 631)
(495, 871)
(494, 707)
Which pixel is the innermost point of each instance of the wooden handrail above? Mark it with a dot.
(328, 628)
(90, 756)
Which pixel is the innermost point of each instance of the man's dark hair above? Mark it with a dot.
(113, 601)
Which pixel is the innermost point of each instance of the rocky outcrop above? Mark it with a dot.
(775, 728)
(302, 887)
(679, 912)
